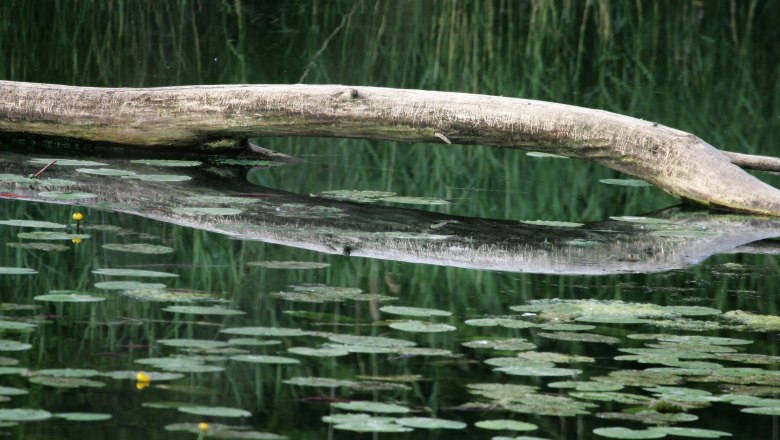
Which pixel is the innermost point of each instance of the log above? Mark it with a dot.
(675, 161)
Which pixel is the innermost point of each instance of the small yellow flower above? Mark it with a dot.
(203, 426)
(78, 216)
(76, 240)
(141, 385)
(143, 377)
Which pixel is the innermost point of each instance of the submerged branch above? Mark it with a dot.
(674, 161)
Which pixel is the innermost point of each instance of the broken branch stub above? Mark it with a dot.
(674, 161)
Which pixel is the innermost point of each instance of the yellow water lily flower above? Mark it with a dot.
(78, 216)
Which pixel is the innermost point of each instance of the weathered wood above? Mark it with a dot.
(673, 160)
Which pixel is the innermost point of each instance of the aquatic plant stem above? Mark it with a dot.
(674, 161)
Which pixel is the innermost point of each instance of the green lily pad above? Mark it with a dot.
(263, 359)
(319, 382)
(414, 200)
(83, 416)
(503, 322)
(553, 223)
(625, 182)
(203, 310)
(414, 311)
(158, 177)
(371, 341)
(508, 425)
(170, 295)
(105, 172)
(763, 410)
(127, 285)
(8, 345)
(566, 327)
(65, 195)
(430, 423)
(36, 246)
(31, 224)
(703, 340)
(642, 220)
(23, 415)
(154, 376)
(214, 411)
(375, 407)
(587, 386)
(253, 342)
(539, 371)
(625, 433)
(512, 344)
(17, 271)
(318, 352)
(207, 211)
(691, 432)
(12, 391)
(754, 321)
(134, 273)
(51, 235)
(355, 196)
(69, 297)
(372, 425)
(68, 372)
(167, 162)
(16, 326)
(180, 365)
(192, 343)
(218, 430)
(265, 331)
(414, 326)
(649, 417)
(67, 162)
(139, 248)
(66, 382)
(296, 265)
(580, 337)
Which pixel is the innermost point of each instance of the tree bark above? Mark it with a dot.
(674, 161)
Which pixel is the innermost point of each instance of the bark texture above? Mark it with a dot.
(675, 161)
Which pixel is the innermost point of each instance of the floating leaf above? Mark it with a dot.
(17, 271)
(214, 411)
(642, 220)
(371, 341)
(580, 337)
(649, 417)
(753, 321)
(65, 195)
(320, 382)
(430, 423)
(192, 343)
(23, 415)
(421, 327)
(105, 172)
(138, 248)
(8, 345)
(372, 425)
(207, 211)
(414, 311)
(50, 235)
(32, 224)
(376, 407)
(263, 359)
(45, 247)
(514, 344)
(253, 342)
(180, 365)
(12, 391)
(66, 382)
(552, 223)
(154, 376)
(167, 162)
(218, 430)
(625, 182)
(16, 326)
(127, 285)
(134, 273)
(68, 297)
(68, 372)
(289, 264)
(503, 424)
(170, 295)
(625, 433)
(83, 416)
(265, 331)
(355, 196)
(539, 371)
(158, 177)
(763, 410)
(587, 386)
(203, 310)
(318, 352)
(692, 432)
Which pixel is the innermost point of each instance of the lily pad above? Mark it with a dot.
(192, 343)
(580, 337)
(139, 248)
(512, 344)
(430, 423)
(23, 415)
(16, 326)
(691, 432)
(625, 182)
(539, 371)
(37, 246)
(69, 297)
(67, 162)
(9, 345)
(625, 433)
(371, 341)
(264, 359)
(17, 271)
(105, 172)
(65, 195)
(354, 195)
(552, 223)
(642, 220)
(763, 410)
(319, 382)
(207, 211)
(167, 162)
(318, 352)
(32, 224)
(12, 391)
(203, 310)
(414, 311)
(180, 365)
(214, 411)
(66, 382)
(414, 326)
(127, 285)
(133, 273)
(296, 265)
(265, 331)
(158, 177)
(508, 425)
(51, 235)
(375, 407)
(83, 416)
(68, 372)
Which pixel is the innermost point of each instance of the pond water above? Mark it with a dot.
(381, 290)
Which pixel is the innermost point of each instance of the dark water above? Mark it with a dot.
(706, 68)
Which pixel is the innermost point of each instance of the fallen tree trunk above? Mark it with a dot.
(674, 161)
